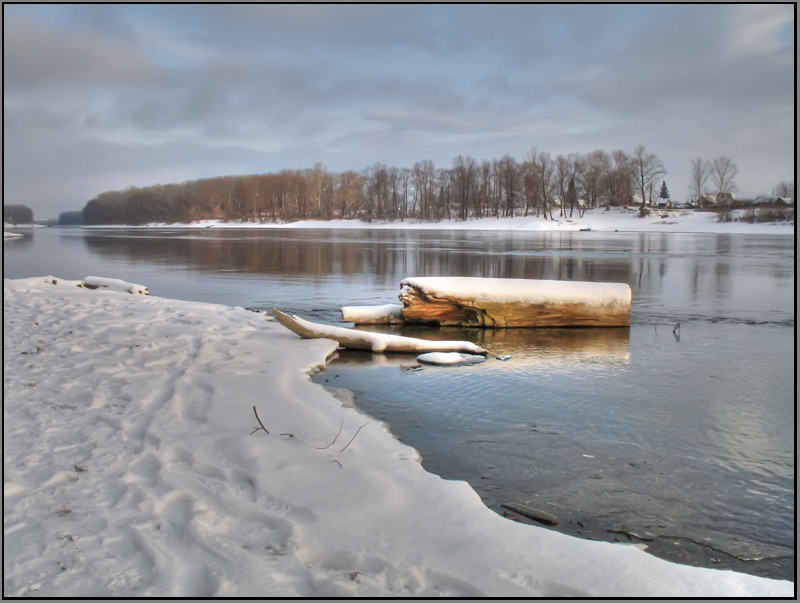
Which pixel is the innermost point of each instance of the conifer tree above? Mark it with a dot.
(664, 192)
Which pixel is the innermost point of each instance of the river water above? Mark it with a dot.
(678, 440)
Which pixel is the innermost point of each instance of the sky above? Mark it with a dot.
(98, 98)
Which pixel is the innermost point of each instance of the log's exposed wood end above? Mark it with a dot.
(420, 307)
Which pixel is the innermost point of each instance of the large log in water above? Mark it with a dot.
(478, 302)
(370, 341)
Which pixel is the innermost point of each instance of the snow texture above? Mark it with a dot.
(450, 358)
(129, 470)
(115, 284)
(621, 219)
(522, 291)
(11, 235)
(387, 313)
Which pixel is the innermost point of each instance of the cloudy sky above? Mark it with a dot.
(104, 97)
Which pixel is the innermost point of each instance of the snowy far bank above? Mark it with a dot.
(6, 225)
(11, 235)
(616, 219)
(129, 470)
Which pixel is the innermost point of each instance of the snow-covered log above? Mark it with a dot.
(114, 284)
(499, 302)
(373, 342)
(373, 315)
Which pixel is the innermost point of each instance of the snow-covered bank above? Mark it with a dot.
(616, 219)
(11, 235)
(6, 225)
(129, 470)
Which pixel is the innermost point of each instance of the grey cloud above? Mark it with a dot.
(110, 96)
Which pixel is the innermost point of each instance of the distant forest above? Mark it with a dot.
(468, 189)
(70, 218)
(17, 214)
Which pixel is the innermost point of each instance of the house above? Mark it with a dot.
(784, 201)
(662, 203)
(724, 198)
(705, 200)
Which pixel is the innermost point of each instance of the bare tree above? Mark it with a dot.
(701, 170)
(723, 171)
(562, 171)
(547, 181)
(646, 167)
(464, 176)
(785, 189)
(530, 185)
(576, 166)
(617, 177)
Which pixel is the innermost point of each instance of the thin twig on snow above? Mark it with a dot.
(259, 422)
(354, 437)
(334, 439)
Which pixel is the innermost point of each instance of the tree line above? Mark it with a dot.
(70, 218)
(539, 185)
(17, 214)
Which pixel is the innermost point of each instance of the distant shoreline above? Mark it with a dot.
(615, 220)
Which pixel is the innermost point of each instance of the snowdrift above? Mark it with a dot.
(129, 471)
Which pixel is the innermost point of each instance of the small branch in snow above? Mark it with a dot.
(338, 463)
(334, 439)
(354, 437)
(259, 422)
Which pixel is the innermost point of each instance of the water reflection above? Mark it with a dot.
(551, 349)
(681, 277)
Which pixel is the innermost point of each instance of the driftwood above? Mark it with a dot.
(421, 306)
(372, 342)
(530, 513)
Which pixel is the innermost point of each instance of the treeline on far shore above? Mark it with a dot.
(539, 185)
(17, 214)
(468, 189)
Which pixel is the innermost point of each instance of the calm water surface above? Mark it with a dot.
(684, 442)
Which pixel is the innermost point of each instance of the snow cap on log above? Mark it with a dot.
(114, 284)
(522, 290)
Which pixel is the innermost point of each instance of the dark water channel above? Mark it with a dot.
(681, 444)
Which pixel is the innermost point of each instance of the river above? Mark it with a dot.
(681, 440)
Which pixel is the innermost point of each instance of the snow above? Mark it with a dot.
(450, 358)
(362, 314)
(115, 284)
(11, 235)
(22, 226)
(129, 471)
(597, 219)
(523, 291)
